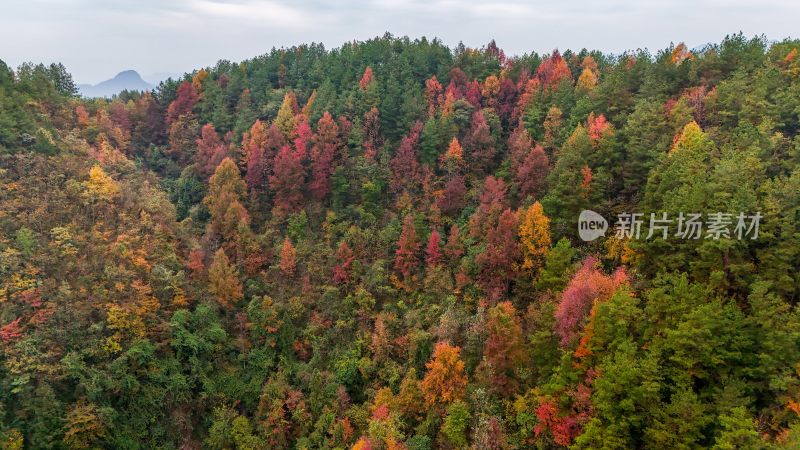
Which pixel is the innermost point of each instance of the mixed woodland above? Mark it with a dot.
(375, 247)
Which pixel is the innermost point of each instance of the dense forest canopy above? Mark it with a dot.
(376, 247)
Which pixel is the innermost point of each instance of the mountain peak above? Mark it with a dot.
(126, 80)
(128, 74)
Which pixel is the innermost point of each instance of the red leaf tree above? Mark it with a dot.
(553, 70)
(433, 95)
(480, 145)
(344, 259)
(531, 175)
(587, 286)
(260, 146)
(406, 255)
(405, 166)
(186, 98)
(433, 252)
(452, 199)
(210, 151)
(454, 248)
(323, 154)
(287, 180)
(492, 203)
(497, 264)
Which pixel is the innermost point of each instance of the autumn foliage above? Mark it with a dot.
(445, 380)
(587, 286)
(376, 247)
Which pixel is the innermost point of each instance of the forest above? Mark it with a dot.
(376, 247)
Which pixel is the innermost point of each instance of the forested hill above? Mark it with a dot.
(377, 247)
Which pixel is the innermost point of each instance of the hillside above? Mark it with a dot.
(377, 246)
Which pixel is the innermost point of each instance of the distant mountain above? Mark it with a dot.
(129, 79)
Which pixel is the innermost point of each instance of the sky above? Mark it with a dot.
(96, 39)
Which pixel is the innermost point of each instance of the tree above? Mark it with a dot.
(362, 444)
(210, 151)
(260, 146)
(568, 195)
(433, 254)
(534, 236)
(287, 180)
(344, 260)
(405, 166)
(182, 138)
(589, 76)
(551, 136)
(504, 350)
(452, 200)
(406, 255)
(492, 203)
(430, 142)
(445, 380)
(452, 161)
(454, 247)
(648, 138)
(529, 164)
(497, 263)
(489, 434)
(100, 186)
(553, 70)
(86, 426)
(480, 145)
(587, 287)
(520, 145)
(246, 113)
(186, 98)
(323, 153)
(225, 192)
(11, 331)
(433, 95)
(286, 114)
(532, 173)
(456, 424)
(555, 273)
(223, 280)
(366, 79)
(288, 262)
(372, 133)
(474, 93)
(738, 431)
(490, 90)
(530, 90)
(680, 179)
(506, 100)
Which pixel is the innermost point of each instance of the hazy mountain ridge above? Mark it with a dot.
(128, 79)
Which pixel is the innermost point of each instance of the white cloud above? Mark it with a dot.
(97, 38)
(270, 12)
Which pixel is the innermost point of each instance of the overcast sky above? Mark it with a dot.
(95, 39)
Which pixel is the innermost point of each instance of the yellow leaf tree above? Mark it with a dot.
(223, 280)
(445, 380)
(229, 218)
(100, 186)
(534, 236)
(285, 118)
